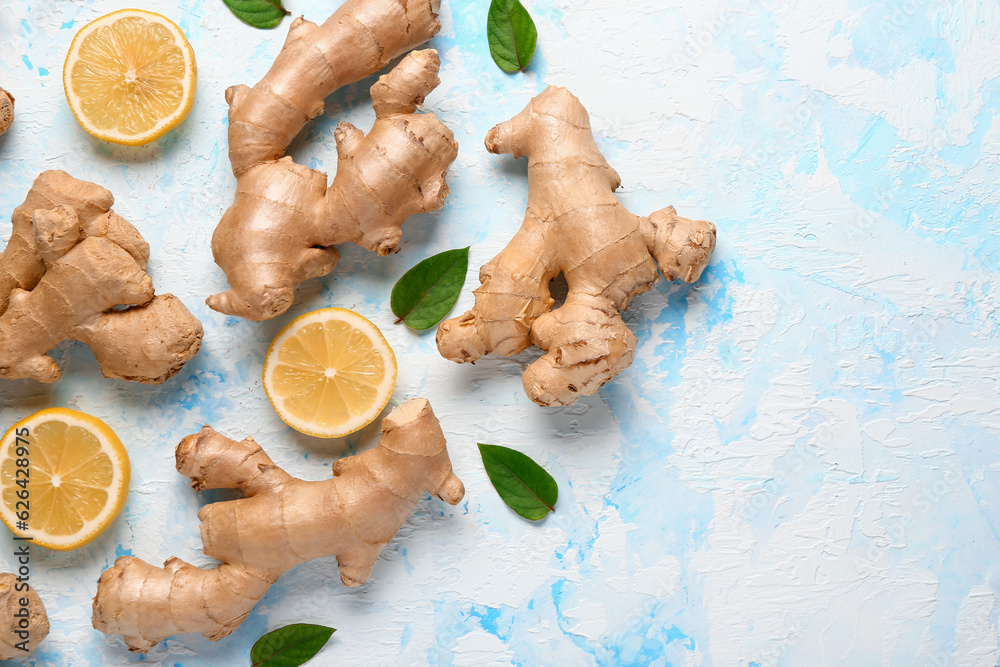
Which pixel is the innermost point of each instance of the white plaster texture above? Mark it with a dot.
(800, 468)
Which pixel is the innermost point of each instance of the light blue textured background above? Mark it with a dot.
(801, 467)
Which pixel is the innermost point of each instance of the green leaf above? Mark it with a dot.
(258, 13)
(511, 33)
(425, 293)
(290, 646)
(522, 484)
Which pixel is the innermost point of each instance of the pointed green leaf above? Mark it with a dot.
(511, 34)
(262, 14)
(425, 293)
(523, 484)
(290, 646)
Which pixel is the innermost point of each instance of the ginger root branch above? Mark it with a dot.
(6, 110)
(70, 264)
(282, 521)
(574, 226)
(284, 224)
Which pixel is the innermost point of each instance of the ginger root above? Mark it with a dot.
(69, 265)
(282, 522)
(6, 110)
(284, 224)
(23, 621)
(576, 226)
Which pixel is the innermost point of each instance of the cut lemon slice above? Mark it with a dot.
(130, 77)
(64, 477)
(329, 373)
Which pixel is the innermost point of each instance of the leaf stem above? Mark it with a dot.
(513, 37)
(525, 484)
(276, 5)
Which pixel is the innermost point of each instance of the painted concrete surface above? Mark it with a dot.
(800, 468)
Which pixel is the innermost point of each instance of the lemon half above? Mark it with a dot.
(63, 473)
(130, 77)
(329, 373)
